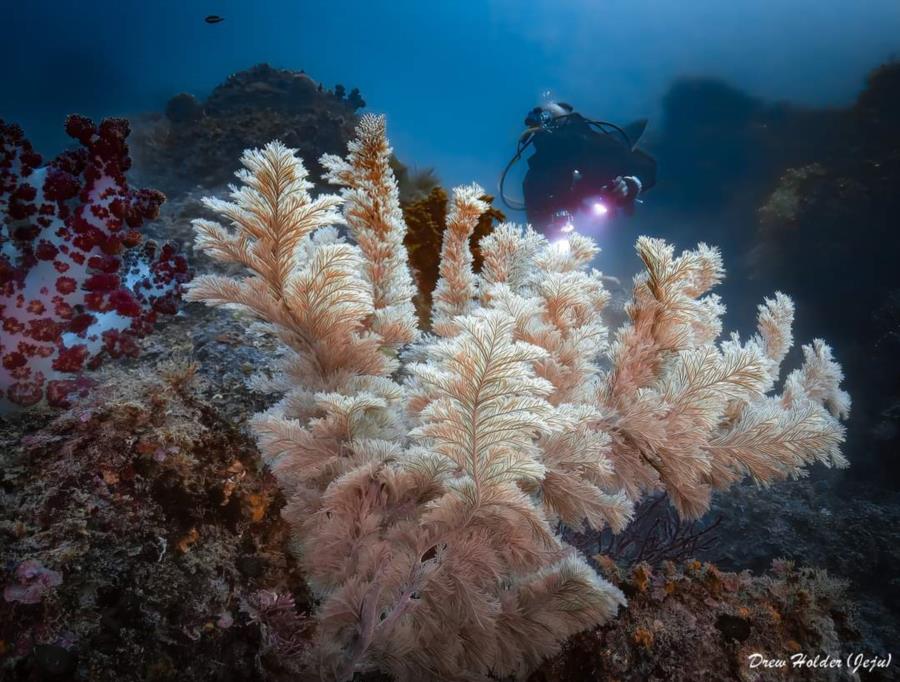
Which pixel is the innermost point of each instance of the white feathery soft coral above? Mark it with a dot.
(372, 213)
(488, 407)
(425, 474)
(274, 183)
(455, 292)
(688, 416)
(508, 256)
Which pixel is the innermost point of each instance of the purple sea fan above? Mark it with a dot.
(284, 629)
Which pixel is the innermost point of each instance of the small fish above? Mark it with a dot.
(214, 19)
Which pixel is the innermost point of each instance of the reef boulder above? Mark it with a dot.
(196, 142)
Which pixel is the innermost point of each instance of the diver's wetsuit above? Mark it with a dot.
(568, 144)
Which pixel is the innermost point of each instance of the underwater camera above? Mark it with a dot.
(583, 172)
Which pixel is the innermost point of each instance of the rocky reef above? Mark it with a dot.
(148, 535)
(195, 142)
(157, 528)
(141, 534)
(840, 208)
(691, 622)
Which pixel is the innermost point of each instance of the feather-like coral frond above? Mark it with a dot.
(488, 407)
(424, 475)
(456, 289)
(818, 380)
(508, 255)
(372, 212)
(708, 402)
(775, 335)
(327, 297)
(771, 442)
(541, 612)
(270, 213)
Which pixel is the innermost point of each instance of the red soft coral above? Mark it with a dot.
(70, 289)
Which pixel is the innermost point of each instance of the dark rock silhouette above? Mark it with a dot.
(184, 108)
(828, 233)
(196, 143)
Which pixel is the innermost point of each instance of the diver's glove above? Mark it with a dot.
(625, 191)
(634, 187)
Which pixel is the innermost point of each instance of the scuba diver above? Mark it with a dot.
(582, 170)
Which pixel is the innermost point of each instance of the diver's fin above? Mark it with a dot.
(635, 130)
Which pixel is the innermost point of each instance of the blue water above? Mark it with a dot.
(455, 76)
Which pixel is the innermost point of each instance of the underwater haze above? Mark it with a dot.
(450, 341)
(456, 77)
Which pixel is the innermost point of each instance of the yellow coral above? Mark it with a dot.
(640, 576)
(642, 637)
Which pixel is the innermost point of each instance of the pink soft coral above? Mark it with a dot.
(72, 285)
(425, 474)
